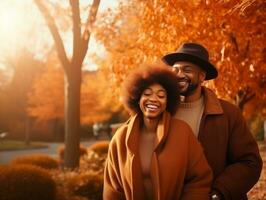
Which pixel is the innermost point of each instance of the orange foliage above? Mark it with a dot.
(98, 102)
(46, 100)
(233, 31)
(40, 160)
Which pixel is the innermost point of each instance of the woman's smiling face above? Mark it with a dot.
(153, 101)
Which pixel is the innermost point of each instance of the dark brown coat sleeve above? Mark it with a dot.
(243, 154)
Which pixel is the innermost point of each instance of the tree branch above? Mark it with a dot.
(244, 96)
(76, 28)
(246, 51)
(234, 41)
(55, 33)
(89, 23)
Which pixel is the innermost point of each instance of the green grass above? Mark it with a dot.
(19, 145)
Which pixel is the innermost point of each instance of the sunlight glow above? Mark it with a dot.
(11, 21)
(21, 25)
(94, 46)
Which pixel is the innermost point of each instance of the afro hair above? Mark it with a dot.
(144, 76)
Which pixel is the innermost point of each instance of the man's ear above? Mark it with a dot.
(202, 75)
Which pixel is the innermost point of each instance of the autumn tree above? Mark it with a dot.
(46, 99)
(143, 31)
(72, 68)
(243, 54)
(23, 68)
(98, 101)
(3, 101)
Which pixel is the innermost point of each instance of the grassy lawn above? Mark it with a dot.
(19, 145)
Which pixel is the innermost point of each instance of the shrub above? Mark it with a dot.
(61, 151)
(100, 147)
(26, 182)
(78, 184)
(93, 161)
(2, 167)
(40, 160)
(87, 184)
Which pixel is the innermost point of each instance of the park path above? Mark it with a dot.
(51, 150)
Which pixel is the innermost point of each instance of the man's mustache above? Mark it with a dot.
(183, 79)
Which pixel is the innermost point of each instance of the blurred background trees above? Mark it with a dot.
(24, 68)
(81, 32)
(40, 63)
(233, 31)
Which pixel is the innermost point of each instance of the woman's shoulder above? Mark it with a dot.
(181, 128)
(180, 124)
(120, 134)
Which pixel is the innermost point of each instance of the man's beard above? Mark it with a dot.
(190, 89)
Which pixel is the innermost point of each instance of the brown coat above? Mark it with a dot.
(179, 169)
(230, 148)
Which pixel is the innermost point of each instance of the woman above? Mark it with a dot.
(154, 156)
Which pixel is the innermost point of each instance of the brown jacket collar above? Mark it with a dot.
(132, 143)
(133, 132)
(212, 103)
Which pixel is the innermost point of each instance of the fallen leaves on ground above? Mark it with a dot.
(258, 192)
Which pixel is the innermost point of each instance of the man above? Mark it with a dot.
(220, 127)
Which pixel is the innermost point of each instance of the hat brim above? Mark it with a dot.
(211, 71)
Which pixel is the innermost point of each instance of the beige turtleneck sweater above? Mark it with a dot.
(191, 113)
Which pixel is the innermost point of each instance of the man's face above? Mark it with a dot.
(189, 76)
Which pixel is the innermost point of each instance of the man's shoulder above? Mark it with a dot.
(231, 111)
(225, 104)
(228, 106)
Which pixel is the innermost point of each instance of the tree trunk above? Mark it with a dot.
(27, 130)
(57, 133)
(264, 130)
(72, 117)
(72, 69)
(243, 96)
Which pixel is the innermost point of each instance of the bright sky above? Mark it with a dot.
(20, 18)
(12, 25)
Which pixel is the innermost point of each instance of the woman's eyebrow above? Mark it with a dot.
(147, 89)
(162, 90)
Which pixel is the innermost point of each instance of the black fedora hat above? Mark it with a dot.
(194, 53)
